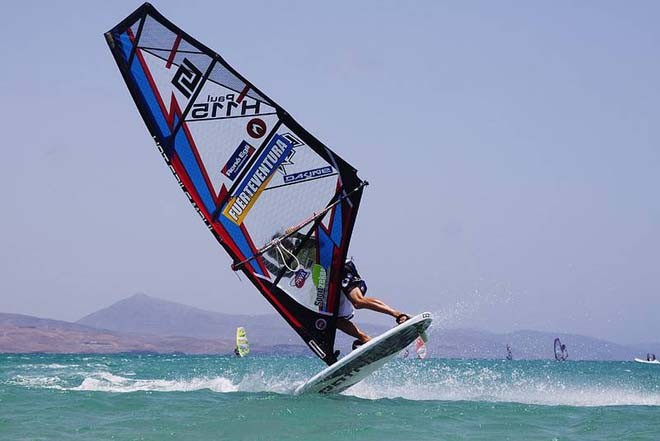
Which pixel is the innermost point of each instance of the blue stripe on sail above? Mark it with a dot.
(336, 227)
(326, 248)
(183, 148)
(144, 86)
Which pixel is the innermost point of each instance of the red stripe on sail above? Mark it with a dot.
(175, 47)
(243, 93)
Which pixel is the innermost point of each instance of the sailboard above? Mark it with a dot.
(242, 344)
(561, 353)
(367, 358)
(278, 200)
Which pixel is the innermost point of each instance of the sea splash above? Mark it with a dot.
(581, 384)
(527, 383)
(107, 382)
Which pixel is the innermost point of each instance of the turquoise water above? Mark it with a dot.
(150, 397)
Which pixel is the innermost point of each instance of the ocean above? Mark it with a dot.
(168, 397)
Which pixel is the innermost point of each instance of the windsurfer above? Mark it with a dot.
(354, 290)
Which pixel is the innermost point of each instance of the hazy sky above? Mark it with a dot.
(513, 150)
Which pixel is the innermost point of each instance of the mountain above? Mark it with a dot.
(145, 315)
(142, 323)
(25, 334)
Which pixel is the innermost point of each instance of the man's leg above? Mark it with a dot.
(359, 301)
(349, 328)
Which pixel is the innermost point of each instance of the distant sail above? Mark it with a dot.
(509, 354)
(280, 202)
(420, 348)
(242, 345)
(561, 353)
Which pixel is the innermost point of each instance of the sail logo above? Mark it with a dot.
(257, 179)
(238, 160)
(308, 175)
(256, 128)
(319, 278)
(219, 107)
(187, 78)
(299, 278)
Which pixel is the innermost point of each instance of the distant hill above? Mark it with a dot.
(25, 334)
(142, 314)
(142, 323)
(466, 343)
(145, 315)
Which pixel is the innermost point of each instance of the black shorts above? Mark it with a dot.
(356, 284)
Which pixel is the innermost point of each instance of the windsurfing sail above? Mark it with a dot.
(509, 354)
(557, 348)
(242, 345)
(561, 353)
(420, 348)
(279, 201)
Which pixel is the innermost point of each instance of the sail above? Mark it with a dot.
(242, 345)
(420, 348)
(279, 201)
(561, 353)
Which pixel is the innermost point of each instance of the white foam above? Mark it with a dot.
(485, 384)
(37, 382)
(107, 382)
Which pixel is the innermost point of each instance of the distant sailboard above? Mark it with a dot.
(242, 345)
(650, 359)
(279, 201)
(561, 353)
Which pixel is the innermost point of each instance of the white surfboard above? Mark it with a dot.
(367, 358)
(639, 360)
